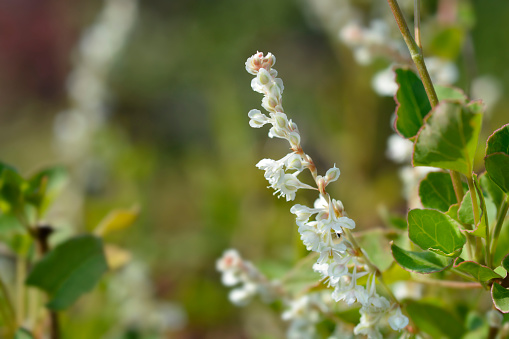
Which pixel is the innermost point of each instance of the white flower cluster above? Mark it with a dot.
(236, 271)
(340, 263)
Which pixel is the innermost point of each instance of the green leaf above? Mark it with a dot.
(12, 186)
(436, 191)
(453, 212)
(465, 213)
(493, 191)
(447, 43)
(69, 270)
(23, 334)
(117, 220)
(435, 231)
(479, 272)
(44, 186)
(505, 262)
(497, 157)
(448, 138)
(420, 262)
(434, 320)
(412, 103)
(500, 296)
(450, 93)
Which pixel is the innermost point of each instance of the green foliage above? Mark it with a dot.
(447, 42)
(500, 297)
(505, 263)
(23, 334)
(436, 191)
(479, 272)
(413, 103)
(497, 157)
(11, 190)
(436, 321)
(44, 186)
(69, 270)
(435, 231)
(450, 93)
(420, 262)
(18, 194)
(492, 190)
(448, 138)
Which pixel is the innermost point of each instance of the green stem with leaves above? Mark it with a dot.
(415, 49)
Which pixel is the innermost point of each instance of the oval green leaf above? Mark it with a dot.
(448, 138)
(479, 272)
(420, 262)
(412, 103)
(436, 191)
(69, 270)
(497, 157)
(500, 296)
(433, 230)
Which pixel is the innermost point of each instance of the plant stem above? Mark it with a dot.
(500, 221)
(7, 309)
(20, 289)
(418, 58)
(457, 185)
(41, 235)
(473, 195)
(415, 52)
(450, 283)
(417, 23)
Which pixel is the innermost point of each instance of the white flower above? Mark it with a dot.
(398, 321)
(367, 326)
(310, 237)
(230, 260)
(351, 292)
(303, 213)
(257, 118)
(241, 296)
(257, 61)
(288, 186)
(335, 223)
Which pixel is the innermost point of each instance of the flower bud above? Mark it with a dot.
(263, 76)
(254, 63)
(294, 139)
(332, 174)
(294, 162)
(257, 118)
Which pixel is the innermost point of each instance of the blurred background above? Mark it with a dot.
(145, 102)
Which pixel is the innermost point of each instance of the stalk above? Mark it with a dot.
(415, 49)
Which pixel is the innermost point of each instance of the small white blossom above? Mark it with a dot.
(257, 118)
(398, 321)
